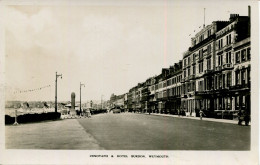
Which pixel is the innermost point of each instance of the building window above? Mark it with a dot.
(220, 60)
(220, 103)
(243, 101)
(164, 84)
(237, 102)
(194, 69)
(188, 60)
(228, 104)
(156, 86)
(243, 55)
(237, 77)
(220, 81)
(243, 77)
(160, 85)
(168, 82)
(164, 93)
(220, 43)
(188, 71)
(209, 63)
(200, 53)
(228, 39)
(161, 94)
(209, 49)
(248, 53)
(194, 57)
(237, 57)
(184, 92)
(228, 57)
(209, 32)
(223, 81)
(201, 67)
(201, 38)
(229, 79)
(201, 85)
(248, 75)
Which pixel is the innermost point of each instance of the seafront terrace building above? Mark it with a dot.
(213, 76)
(209, 75)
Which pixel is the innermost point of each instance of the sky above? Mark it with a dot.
(110, 46)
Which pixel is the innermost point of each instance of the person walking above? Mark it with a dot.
(88, 113)
(201, 114)
(239, 116)
(246, 118)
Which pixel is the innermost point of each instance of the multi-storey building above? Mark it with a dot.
(153, 87)
(198, 64)
(165, 90)
(229, 42)
(173, 84)
(214, 75)
(241, 83)
(145, 96)
(208, 66)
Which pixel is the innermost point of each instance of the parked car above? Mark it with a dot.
(116, 110)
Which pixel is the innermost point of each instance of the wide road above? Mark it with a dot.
(129, 131)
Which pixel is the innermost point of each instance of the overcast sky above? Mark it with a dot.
(109, 46)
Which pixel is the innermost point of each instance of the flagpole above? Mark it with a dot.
(204, 18)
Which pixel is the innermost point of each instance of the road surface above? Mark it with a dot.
(130, 131)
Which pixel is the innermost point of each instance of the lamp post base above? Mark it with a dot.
(15, 123)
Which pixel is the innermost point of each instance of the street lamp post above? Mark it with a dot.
(57, 75)
(80, 97)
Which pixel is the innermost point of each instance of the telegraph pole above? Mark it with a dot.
(57, 75)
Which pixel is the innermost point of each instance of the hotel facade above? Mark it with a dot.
(213, 76)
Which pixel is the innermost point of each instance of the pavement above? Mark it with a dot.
(198, 118)
(59, 134)
(130, 131)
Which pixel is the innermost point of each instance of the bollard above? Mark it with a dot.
(15, 118)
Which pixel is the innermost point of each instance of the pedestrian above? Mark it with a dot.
(88, 113)
(246, 118)
(201, 114)
(179, 113)
(240, 118)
